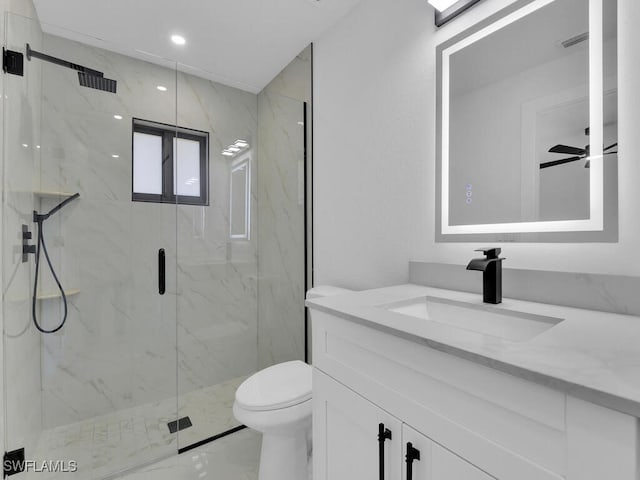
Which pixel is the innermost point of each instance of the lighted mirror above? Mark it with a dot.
(240, 199)
(527, 136)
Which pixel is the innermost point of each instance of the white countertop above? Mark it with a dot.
(591, 355)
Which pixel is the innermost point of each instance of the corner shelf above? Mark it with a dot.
(54, 295)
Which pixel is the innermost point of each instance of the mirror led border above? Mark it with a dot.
(596, 177)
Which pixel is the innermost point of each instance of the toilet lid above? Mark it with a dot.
(279, 386)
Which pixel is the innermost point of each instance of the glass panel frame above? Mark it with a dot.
(111, 371)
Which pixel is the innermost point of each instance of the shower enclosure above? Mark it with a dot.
(181, 260)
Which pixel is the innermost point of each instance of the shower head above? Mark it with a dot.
(40, 217)
(97, 82)
(88, 77)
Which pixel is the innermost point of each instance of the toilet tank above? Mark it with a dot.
(326, 291)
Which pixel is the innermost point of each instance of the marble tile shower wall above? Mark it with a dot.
(22, 344)
(281, 212)
(118, 348)
(281, 229)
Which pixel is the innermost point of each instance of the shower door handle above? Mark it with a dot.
(161, 271)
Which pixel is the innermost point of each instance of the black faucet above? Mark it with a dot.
(491, 268)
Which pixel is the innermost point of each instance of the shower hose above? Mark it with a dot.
(42, 246)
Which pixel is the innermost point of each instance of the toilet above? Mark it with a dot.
(276, 401)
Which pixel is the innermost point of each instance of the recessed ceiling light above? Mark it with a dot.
(178, 39)
(241, 143)
(118, 117)
(441, 5)
(25, 145)
(233, 149)
(161, 88)
(227, 153)
(115, 156)
(38, 146)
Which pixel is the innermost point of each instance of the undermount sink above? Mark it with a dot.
(481, 318)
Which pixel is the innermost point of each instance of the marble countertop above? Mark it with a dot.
(591, 355)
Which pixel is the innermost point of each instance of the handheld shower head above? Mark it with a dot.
(40, 217)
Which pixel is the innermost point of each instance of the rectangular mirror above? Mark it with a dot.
(240, 199)
(528, 125)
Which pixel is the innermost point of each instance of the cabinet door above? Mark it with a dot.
(447, 466)
(416, 451)
(430, 461)
(345, 435)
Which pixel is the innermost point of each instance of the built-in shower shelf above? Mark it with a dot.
(54, 295)
(46, 296)
(52, 194)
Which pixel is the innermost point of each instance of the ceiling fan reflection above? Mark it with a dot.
(576, 152)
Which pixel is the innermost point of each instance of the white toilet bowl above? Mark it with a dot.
(277, 402)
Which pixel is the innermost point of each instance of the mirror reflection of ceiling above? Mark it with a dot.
(524, 45)
(242, 43)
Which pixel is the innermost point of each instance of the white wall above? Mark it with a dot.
(374, 120)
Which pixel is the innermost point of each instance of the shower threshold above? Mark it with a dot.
(108, 445)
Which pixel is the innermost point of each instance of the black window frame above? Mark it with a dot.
(168, 133)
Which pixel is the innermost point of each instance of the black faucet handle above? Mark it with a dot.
(490, 252)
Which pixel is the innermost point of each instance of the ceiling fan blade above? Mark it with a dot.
(559, 162)
(587, 164)
(567, 150)
(610, 147)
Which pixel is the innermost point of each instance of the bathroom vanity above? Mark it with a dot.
(413, 382)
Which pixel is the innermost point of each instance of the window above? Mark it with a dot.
(170, 164)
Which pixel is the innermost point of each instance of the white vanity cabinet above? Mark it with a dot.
(349, 428)
(435, 462)
(469, 421)
(350, 425)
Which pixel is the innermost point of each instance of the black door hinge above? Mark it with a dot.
(13, 462)
(12, 62)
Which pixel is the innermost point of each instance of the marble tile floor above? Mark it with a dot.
(120, 441)
(234, 457)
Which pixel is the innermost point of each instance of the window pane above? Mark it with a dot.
(147, 163)
(187, 167)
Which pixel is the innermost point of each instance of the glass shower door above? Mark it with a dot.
(217, 259)
(240, 302)
(99, 394)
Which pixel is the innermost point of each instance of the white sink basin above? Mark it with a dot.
(481, 318)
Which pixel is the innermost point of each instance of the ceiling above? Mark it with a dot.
(242, 43)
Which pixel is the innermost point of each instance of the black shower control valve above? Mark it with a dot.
(26, 248)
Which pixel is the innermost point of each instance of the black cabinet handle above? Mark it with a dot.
(161, 272)
(412, 454)
(383, 435)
